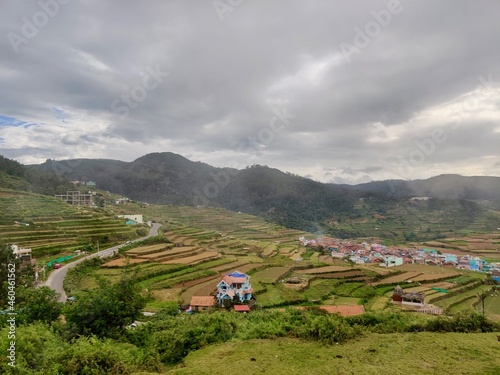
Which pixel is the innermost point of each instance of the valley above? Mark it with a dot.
(336, 275)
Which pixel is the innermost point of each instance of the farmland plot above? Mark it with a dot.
(398, 278)
(269, 275)
(326, 269)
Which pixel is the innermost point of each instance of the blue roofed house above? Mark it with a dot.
(450, 258)
(234, 287)
(476, 263)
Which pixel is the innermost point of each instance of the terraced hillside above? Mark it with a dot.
(201, 244)
(49, 226)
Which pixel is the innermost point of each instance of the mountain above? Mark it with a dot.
(449, 186)
(168, 178)
(294, 201)
(14, 175)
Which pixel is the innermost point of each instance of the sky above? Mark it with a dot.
(337, 91)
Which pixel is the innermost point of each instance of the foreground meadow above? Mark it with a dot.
(389, 354)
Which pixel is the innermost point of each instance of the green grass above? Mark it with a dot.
(55, 226)
(340, 300)
(389, 354)
(492, 305)
(269, 275)
(277, 294)
(320, 288)
(445, 303)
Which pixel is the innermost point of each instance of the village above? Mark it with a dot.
(393, 256)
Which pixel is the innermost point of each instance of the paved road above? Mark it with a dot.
(56, 278)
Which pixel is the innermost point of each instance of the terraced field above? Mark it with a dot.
(487, 244)
(206, 243)
(49, 226)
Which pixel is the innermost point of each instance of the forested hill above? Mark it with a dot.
(450, 186)
(167, 178)
(14, 175)
(285, 198)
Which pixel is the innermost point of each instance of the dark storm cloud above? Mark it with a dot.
(219, 83)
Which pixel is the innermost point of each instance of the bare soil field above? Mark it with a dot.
(398, 278)
(193, 259)
(313, 271)
(121, 262)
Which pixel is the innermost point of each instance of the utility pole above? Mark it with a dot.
(482, 296)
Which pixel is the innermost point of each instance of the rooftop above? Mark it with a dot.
(204, 301)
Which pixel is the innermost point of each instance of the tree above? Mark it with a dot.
(38, 304)
(106, 310)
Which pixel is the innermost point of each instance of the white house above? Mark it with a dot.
(137, 218)
(391, 261)
(234, 285)
(22, 253)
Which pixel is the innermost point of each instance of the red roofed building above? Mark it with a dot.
(199, 303)
(234, 286)
(242, 308)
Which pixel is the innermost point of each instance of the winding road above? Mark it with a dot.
(56, 278)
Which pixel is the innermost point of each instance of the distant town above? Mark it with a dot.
(393, 256)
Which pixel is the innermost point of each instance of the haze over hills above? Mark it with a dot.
(287, 199)
(167, 178)
(171, 178)
(451, 186)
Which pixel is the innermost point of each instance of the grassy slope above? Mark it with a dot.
(418, 353)
(422, 221)
(55, 226)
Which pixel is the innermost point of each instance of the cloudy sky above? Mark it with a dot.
(339, 91)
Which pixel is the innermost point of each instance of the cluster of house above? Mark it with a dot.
(122, 200)
(84, 183)
(392, 256)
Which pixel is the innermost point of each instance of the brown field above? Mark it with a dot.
(171, 294)
(192, 283)
(314, 271)
(481, 246)
(270, 275)
(189, 241)
(147, 249)
(193, 259)
(245, 268)
(122, 262)
(326, 259)
(174, 251)
(228, 266)
(203, 289)
(436, 276)
(336, 275)
(398, 278)
(424, 268)
(375, 268)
